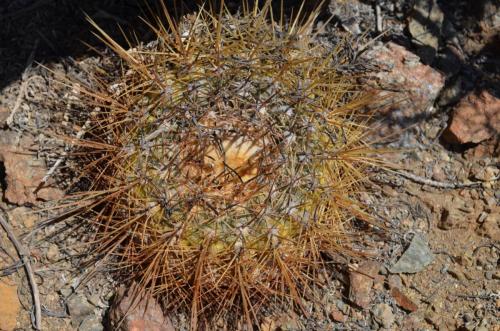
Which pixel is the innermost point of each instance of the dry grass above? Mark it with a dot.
(224, 159)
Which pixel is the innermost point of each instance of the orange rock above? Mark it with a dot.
(24, 171)
(476, 118)
(402, 300)
(361, 282)
(9, 306)
(337, 315)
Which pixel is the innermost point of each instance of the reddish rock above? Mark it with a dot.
(414, 86)
(24, 171)
(361, 282)
(132, 313)
(402, 300)
(476, 118)
(337, 315)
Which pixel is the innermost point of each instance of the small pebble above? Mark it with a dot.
(382, 314)
(53, 253)
(438, 173)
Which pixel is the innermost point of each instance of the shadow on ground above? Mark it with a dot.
(47, 30)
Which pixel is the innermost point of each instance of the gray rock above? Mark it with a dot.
(415, 258)
(382, 314)
(79, 308)
(91, 323)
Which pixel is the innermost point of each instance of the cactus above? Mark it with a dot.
(224, 161)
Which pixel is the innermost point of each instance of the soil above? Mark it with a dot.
(457, 227)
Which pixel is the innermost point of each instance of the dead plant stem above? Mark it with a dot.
(24, 255)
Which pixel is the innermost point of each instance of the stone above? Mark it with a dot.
(52, 253)
(438, 173)
(9, 306)
(476, 118)
(361, 282)
(424, 25)
(23, 171)
(389, 191)
(91, 323)
(485, 174)
(79, 309)
(337, 315)
(490, 228)
(132, 313)
(383, 315)
(416, 257)
(414, 86)
(394, 281)
(403, 301)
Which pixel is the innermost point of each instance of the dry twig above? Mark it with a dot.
(434, 183)
(378, 16)
(24, 255)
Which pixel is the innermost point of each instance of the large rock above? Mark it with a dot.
(411, 87)
(23, 170)
(476, 118)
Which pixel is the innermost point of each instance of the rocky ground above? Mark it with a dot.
(436, 266)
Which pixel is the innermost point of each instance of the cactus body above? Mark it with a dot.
(224, 160)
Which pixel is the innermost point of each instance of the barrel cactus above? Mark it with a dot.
(223, 161)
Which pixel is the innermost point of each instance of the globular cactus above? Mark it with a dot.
(224, 161)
